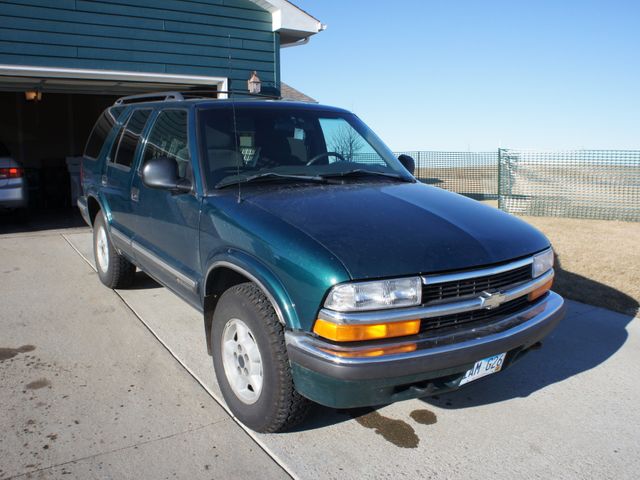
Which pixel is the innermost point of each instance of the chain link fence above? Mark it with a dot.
(473, 174)
(597, 184)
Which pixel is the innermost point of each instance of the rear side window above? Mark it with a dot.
(130, 137)
(100, 132)
(168, 138)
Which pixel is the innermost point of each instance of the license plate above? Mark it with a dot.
(484, 367)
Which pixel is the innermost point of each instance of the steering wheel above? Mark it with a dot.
(326, 154)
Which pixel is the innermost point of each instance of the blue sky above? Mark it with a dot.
(476, 75)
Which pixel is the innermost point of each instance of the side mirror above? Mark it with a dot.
(408, 162)
(162, 173)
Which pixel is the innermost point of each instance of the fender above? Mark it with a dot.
(268, 282)
(104, 208)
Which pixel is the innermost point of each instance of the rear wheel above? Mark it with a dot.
(251, 363)
(114, 270)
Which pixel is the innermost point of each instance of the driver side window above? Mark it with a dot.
(341, 138)
(169, 138)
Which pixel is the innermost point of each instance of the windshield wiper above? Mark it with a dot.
(361, 172)
(271, 176)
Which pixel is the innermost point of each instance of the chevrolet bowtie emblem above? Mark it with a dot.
(491, 300)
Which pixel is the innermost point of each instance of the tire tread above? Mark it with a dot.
(292, 408)
(121, 272)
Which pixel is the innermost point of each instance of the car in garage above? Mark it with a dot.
(323, 270)
(14, 194)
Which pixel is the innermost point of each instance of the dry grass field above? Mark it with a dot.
(566, 190)
(599, 261)
(474, 180)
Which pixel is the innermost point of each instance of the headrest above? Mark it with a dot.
(217, 139)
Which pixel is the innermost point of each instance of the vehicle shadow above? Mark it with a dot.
(587, 337)
(142, 281)
(38, 220)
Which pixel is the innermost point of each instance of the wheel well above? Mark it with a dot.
(218, 281)
(93, 207)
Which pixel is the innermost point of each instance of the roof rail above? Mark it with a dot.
(150, 97)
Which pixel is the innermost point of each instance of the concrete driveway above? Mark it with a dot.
(103, 384)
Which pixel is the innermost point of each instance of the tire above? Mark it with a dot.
(247, 338)
(114, 270)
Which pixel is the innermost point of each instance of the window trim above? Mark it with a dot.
(111, 161)
(148, 134)
(115, 123)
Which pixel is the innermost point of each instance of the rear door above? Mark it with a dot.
(116, 181)
(166, 240)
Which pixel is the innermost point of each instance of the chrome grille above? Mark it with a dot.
(468, 319)
(470, 287)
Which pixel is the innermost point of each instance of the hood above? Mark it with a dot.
(385, 230)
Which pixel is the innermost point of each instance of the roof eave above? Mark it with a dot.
(293, 23)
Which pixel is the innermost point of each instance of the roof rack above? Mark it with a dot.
(150, 97)
(188, 94)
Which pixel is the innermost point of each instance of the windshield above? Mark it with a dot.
(278, 143)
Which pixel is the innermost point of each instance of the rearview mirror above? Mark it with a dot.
(408, 162)
(162, 173)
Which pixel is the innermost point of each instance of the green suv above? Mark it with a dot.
(323, 270)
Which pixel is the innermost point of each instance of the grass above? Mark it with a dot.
(598, 261)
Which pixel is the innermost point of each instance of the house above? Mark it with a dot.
(63, 61)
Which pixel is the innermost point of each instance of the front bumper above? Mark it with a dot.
(336, 376)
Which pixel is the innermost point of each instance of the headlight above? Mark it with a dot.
(378, 295)
(542, 262)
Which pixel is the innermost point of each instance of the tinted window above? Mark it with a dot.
(168, 138)
(100, 132)
(130, 137)
(289, 141)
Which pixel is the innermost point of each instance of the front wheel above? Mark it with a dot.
(251, 363)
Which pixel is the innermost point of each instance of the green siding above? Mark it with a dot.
(170, 36)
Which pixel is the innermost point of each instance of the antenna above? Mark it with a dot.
(235, 125)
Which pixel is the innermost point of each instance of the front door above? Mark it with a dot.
(116, 180)
(166, 240)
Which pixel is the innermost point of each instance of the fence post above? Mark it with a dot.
(500, 200)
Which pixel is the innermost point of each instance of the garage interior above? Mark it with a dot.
(47, 132)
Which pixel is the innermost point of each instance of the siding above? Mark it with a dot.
(168, 36)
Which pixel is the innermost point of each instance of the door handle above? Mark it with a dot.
(104, 180)
(135, 194)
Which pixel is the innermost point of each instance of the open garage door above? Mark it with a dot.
(43, 134)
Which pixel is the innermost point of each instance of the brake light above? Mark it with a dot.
(11, 172)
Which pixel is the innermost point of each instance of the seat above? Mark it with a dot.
(221, 153)
(275, 152)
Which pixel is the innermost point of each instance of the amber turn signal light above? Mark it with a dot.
(353, 333)
(374, 352)
(538, 292)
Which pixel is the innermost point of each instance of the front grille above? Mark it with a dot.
(474, 286)
(474, 317)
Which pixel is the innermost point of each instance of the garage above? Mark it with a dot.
(63, 62)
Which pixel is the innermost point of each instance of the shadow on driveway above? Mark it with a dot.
(39, 220)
